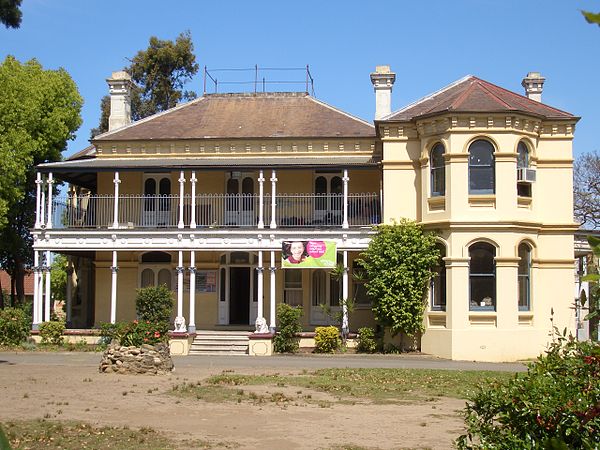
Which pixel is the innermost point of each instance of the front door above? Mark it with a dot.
(239, 295)
(329, 200)
(157, 201)
(325, 298)
(239, 202)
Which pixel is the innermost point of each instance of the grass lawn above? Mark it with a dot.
(346, 385)
(36, 434)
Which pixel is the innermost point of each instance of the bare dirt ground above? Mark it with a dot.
(68, 392)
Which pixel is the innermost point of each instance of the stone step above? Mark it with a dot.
(220, 343)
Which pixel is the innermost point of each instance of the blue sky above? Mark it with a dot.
(428, 44)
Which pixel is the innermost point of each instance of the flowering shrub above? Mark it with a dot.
(327, 339)
(134, 334)
(14, 326)
(555, 405)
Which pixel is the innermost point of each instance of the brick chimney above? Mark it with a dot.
(120, 100)
(383, 79)
(534, 85)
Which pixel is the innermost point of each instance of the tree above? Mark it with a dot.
(591, 17)
(10, 13)
(586, 189)
(39, 113)
(594, 300)
(398, 265)
(58, 278)
(160, 73)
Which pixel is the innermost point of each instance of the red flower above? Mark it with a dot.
(156, 334)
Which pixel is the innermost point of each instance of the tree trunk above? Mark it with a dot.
(20, 281)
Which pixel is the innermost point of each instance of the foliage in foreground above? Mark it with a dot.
(398, 265)
(46, 434)
(14, 326)
(155, 304)
(327, 339)
(288, 321)
(134, 334)
(367, 342)
(52, 332)
(555, 405)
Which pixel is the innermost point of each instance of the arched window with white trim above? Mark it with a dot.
(524, 277)
(438, 170)
(482, 277)
(481, 168)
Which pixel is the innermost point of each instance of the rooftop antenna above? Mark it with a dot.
(260, 76)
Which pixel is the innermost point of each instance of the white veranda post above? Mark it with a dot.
(261, 206)
(192, 324)
(50, 183)
(181, 192)
(180, 320)
(345, 179)
(36, 290)
(273, 199)
(272, 296)
(41, 288)
(259, 286)
(116, 181)
(193, 180)
(113, 288)
(345, 295)
(38, 200)
(47, 305)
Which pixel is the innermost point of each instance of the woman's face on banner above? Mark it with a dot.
(297, 249)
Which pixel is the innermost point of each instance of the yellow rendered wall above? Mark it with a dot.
(215, 182)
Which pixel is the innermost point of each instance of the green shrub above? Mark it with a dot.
(14, 326)
(52, 332)
(134, 334)
(556, 405)
(327, 339)
(154, 304)
(288, 319)
(367, 341)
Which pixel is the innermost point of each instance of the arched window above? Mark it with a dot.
(523, 188)
(524, 277)
(481, 168)
(156, 269)
(482, 277)
(522, 156)
(437, 288)
(438, 170)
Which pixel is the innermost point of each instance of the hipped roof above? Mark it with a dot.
(246, 115)
(474, 95)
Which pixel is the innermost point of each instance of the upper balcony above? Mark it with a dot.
(216, 211)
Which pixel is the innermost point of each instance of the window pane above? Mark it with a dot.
(293, 278)
(293, 298)
(481, 168)
(165, 186)
(318, 288)
(334, 292)
(156, 257)
(222, 277)
(150, 187)
(524, 277)
(147, 278)
(164, 277)
(522, 156)
(482, 276)
(438, 282)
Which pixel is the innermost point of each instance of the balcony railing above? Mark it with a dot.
(215, 211)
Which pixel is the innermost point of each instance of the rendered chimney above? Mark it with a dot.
(383, 79)
(120, 100)
(534, 85)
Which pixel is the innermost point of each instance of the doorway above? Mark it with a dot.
(239, 295)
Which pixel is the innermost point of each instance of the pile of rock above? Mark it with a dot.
(148, 359)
